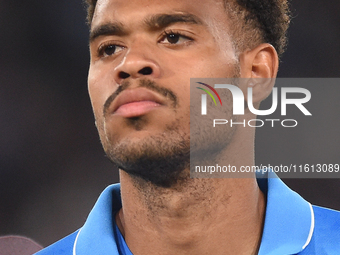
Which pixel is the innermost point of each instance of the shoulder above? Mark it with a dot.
(327, 225)
(97, 233)
(62, 247)
(326, 234)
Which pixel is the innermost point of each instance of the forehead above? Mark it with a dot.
(210, 11)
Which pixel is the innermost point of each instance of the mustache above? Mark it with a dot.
(151, 85)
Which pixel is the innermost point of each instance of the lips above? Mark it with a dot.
(135, 102)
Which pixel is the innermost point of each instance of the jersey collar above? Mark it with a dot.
(288, 227)
(289, 220)
(97, 236)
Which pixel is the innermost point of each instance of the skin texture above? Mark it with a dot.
(181, 216)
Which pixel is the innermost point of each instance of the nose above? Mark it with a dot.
(137, 64)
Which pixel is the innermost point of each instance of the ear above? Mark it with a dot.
(260, 65)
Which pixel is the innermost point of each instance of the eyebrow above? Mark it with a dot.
(155, 22)
(112, 28)
(161, 21)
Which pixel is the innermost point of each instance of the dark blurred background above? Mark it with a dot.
(52, 167)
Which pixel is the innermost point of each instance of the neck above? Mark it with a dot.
(196, 216)
(207, 216)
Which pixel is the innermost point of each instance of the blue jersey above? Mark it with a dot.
(292, 226)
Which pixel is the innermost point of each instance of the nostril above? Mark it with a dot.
(123, 75)
(145, 71)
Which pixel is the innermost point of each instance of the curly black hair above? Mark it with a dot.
(263, 21)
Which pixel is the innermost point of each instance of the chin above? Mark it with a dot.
(159, 159)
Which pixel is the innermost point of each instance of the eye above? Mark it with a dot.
(109, 49)
(174, 38)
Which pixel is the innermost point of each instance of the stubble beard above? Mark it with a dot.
(163, 160)
(159, 159)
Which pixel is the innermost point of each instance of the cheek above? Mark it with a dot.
(100, 87)
(93, 82)
(183, 110)
(214, 65)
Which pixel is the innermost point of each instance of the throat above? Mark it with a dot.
(191, 218)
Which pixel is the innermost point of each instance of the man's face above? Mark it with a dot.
(143, 54)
